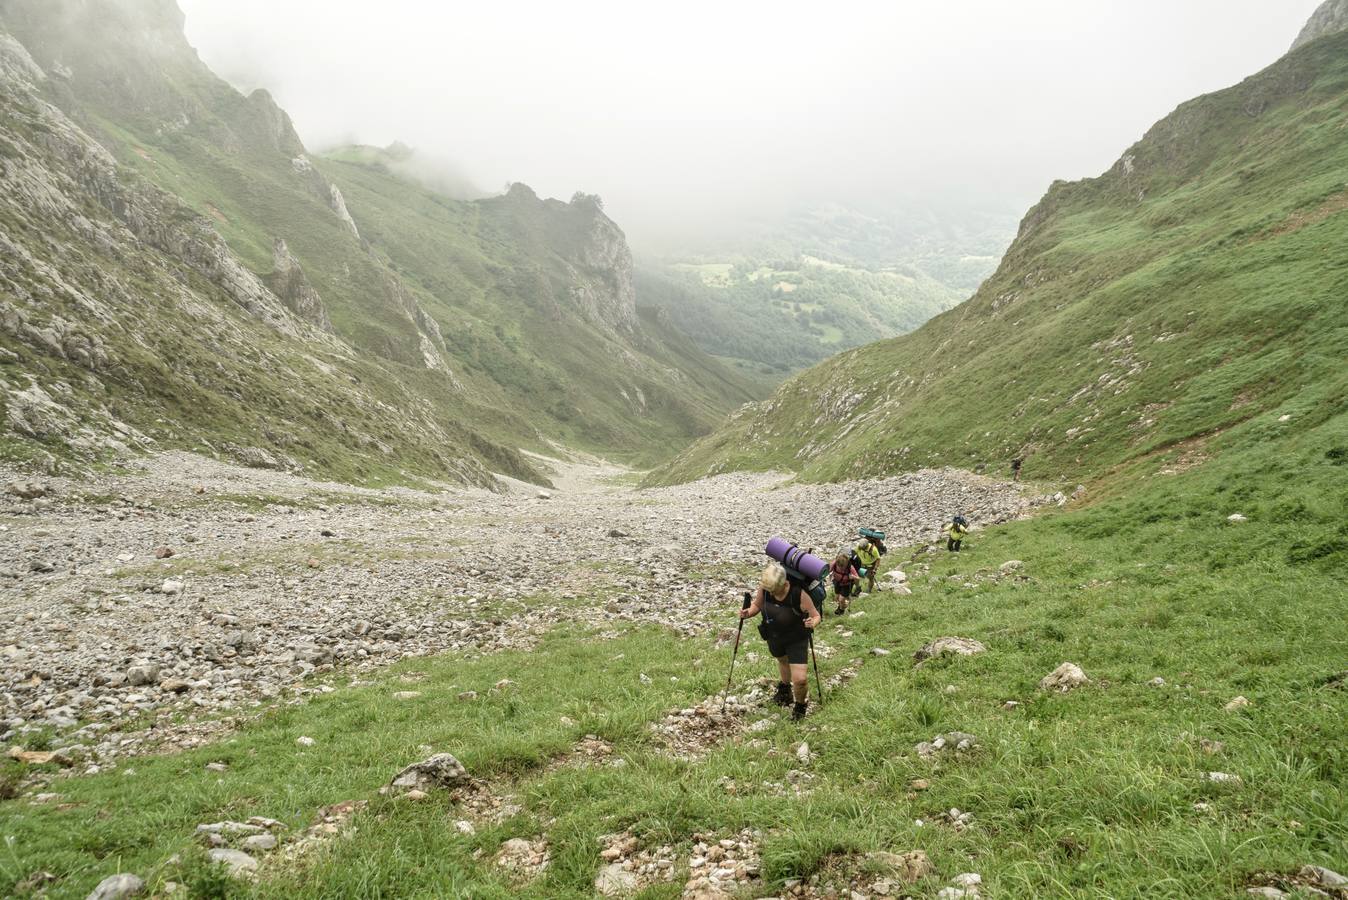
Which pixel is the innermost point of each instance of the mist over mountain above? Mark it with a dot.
(724, 113)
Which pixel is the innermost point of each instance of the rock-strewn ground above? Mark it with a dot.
(273, 578)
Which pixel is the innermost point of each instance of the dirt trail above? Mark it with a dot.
(273, 577)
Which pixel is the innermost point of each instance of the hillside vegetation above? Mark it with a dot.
(353, 322)
(1187, 302)
(776, 318)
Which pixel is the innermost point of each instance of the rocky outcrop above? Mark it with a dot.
(16, 65)
(591, 248)
(431, 340)
(324, 190)
(1330, 18)
(263, 124)
(288, 282)
(58, 337)
(605, 290)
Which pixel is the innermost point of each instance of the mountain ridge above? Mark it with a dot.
(1330, 17)
(443, 313)
(1224, 202)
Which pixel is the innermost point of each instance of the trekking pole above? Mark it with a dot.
(817, 683)
(739, 630)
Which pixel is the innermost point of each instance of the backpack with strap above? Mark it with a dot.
(876, 537)
(782, 620)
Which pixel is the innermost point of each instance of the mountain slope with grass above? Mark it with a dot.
(1187, 302)
(445, 333)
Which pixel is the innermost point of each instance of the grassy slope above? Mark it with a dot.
(1091, 794)
(184, 376)
(1118, 332)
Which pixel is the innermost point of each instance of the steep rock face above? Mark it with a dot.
(1331, 17)
(288, 282)
(603, 255)
(590, 245)
(324, 190)
(265, 125)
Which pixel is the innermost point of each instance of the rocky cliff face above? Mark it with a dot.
(1331, 17)
(288, 282)
(604, 256)
(587, 242)
(113, 292)
(145, 299)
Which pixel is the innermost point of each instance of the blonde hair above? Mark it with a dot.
(773, 578)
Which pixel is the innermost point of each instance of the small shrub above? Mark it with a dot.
(205, 879)
(927, 710)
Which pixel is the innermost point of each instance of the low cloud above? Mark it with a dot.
(686, 117)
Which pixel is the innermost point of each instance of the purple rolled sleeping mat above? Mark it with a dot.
(794, 558)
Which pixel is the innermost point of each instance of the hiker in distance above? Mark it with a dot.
(958, 528)
(1015, 468)
(846, 581)
(789, 615)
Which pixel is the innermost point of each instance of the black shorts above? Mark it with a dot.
(795, 649)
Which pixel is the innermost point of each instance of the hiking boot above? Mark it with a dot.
(783, 695)
(840, 610)
(798, 711)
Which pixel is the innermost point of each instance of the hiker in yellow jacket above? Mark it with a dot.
(956, 530)
(868, 558)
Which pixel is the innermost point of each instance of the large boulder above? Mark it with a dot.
(115, 887)
(615, 881)
(26, 490)
(1064, 678)
(957, 646)
(143, 674)
(238, 863)
(439, 771)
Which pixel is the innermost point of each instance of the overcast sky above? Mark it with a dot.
(681, 114)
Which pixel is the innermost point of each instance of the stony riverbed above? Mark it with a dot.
(150, 608)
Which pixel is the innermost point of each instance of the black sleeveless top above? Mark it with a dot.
(785, 617)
